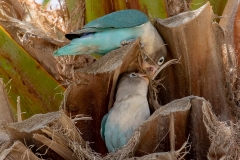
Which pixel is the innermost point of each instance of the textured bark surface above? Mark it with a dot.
(199, 138)
(156, 133)
(48, 135)
(199, 48)
(17, 151)
(236, 32)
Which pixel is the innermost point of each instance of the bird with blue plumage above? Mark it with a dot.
(129, 111)
(115, 30)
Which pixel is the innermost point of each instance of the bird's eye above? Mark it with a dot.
(161, 61)
(133, 75)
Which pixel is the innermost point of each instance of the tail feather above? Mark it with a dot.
(75, 49)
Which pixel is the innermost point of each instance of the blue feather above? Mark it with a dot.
(120, 19)
(103, 126)
(105, 33)
(129, 111)
(99, 42)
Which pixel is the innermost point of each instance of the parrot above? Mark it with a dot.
(115, 30)
(129, 111)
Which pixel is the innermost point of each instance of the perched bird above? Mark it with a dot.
(129, 111)
(115, 30)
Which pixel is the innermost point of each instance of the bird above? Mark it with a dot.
(115, 30)
(129, 111)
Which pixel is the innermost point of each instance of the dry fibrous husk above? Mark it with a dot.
(32, 39)
(54, 130)
(67, 65)
(41, 32)
(18, 151)
(17, 10)
(175, 7)
(24, 130)
(172, 155)
(224, 136)
(161, 132)
(230, 57)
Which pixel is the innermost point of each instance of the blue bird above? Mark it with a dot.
(129, 111)
(114, 30)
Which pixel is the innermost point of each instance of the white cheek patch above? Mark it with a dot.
(161, 61)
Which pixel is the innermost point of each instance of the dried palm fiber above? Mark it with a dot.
(66, 65)
(235, 36)
(175, 7)
(230, 55)
(72, 135)
(55, 23)
(18, 151)
(41, 32)
(53, 127)
(24, 130)
(224, 136)
(172, 155)
(17, 10)
(31, 38)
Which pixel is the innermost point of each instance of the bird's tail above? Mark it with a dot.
(75, 49)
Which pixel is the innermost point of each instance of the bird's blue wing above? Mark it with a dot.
(82, 32)
(120, 19)
(103, 126)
